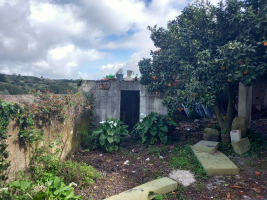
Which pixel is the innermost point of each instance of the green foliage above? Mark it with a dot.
(185, 158)
(46, 106)
(86, 135)
(45, 162)
(207, 51)
(17, 84)
(80, 82)
(7, 110)
(154, 128)
(69, 171)
(110, 134)
(52, 188)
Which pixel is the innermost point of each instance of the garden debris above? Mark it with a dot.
(161, 157)
(100, 154)
(183, 125)
(147, 159)
(126, 162)
(257, 190)
(182, 176)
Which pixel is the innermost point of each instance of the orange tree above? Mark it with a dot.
(210, 50)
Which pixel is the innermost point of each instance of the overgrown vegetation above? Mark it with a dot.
(154, 128)
(17, 84)
(110, 134)
(48, 189)
(207, 51)
(184, 158)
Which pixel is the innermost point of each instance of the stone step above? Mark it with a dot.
(216, 163)
(241, 146)
(206, 146)
(148, 190)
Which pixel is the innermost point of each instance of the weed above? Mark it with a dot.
(199, 186)
(184, 157)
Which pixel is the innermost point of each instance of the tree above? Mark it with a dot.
(2, 77)
(210, 50)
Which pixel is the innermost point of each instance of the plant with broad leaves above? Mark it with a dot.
(109, 135)
(52, 188)
(208, 51)
(154, 128)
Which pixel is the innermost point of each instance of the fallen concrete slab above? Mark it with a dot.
(148, 190)
(206, 146)
(241, 146)
(216, 163)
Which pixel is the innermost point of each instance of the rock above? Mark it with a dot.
(241, 146)
(211, 134)
(240, 123)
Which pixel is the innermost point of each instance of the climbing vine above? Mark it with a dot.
(7, 109)
(31, 116)
(46, 107)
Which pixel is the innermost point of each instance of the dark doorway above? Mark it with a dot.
(130, 103)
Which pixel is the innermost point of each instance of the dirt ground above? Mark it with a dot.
(119, 176)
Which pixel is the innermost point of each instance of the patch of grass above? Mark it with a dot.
(69, 171)
(199, 186)
(184, 158)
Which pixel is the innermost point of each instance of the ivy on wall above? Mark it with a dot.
(7, 110)
(46, 107)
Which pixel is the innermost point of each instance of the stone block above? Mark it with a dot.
(211, 134)
(206, 146)
(241, 146)
(235, 135)
(240, 123)
(216, 163)
(148, 190)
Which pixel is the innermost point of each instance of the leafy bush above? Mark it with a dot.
(69, 171)
(109, 135)
(154, 127)
(51, 188)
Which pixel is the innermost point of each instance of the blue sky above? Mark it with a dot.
(79, 38)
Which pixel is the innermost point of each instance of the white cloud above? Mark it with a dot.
(53, 38)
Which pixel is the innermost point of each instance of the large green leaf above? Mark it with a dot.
(102, 139)
(110, 139)
(172, 123)
(164, 128)
(153, 132)
(117, 138)
(145, 130)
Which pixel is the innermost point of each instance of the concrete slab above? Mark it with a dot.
(206, 146)
(241, 146)
(148, 190)
(216, 163)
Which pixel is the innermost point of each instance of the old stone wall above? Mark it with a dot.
(70, 129)
(107, 101)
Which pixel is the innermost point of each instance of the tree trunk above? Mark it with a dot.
(226, 124)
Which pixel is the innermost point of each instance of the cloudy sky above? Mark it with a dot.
(79, 38)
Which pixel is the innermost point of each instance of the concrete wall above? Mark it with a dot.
(70, 128)
(107, 102)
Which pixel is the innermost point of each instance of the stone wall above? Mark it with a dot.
(70, 129)
(107, 102)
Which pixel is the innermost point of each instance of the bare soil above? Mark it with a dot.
(118, 177)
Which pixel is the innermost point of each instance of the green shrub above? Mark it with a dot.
(69, 171)
(110, 134)
(154, 128)
(51, 188)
